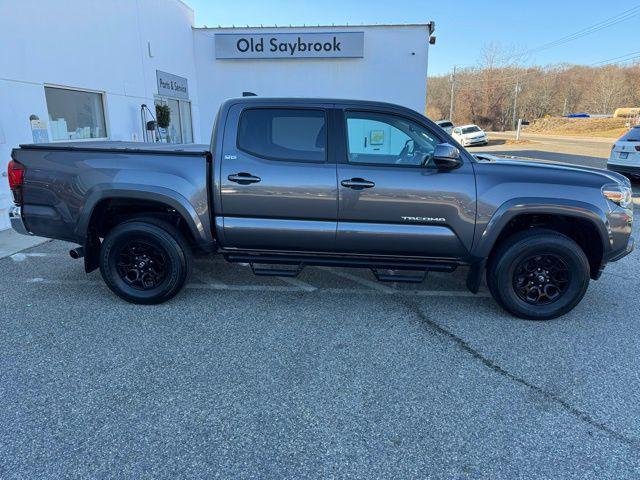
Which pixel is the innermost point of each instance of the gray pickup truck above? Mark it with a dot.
(294, 182)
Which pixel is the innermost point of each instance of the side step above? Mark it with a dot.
(403, 276)
(267, 270)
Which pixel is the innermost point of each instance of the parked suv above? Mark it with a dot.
(288, 182)
(625, 154)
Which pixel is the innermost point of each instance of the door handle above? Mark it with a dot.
(243, 178)
(357, 183)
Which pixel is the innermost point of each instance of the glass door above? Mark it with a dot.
(180, 128)
(185, 121)
(174, 130)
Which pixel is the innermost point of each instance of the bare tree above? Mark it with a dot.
(486, 94)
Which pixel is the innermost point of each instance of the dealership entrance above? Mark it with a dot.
(173, 92)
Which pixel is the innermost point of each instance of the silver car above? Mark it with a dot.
(446, 125)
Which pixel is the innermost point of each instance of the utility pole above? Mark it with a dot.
(452, 80)
(515, 104)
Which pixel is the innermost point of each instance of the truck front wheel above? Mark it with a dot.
(145, 261)
(538, 274)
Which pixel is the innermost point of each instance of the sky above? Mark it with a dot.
(463, 28)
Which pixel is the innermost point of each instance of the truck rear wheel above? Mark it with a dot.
(538, 274)
(145, 261)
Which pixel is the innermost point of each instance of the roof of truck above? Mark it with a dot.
(132, 147)
(315, 100)
(302, 101)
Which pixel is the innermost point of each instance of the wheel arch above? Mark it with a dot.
(583, 222)
(141, 200)
(136, 193)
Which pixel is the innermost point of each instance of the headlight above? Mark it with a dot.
(619, 194)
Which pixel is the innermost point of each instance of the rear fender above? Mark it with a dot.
(166, 196)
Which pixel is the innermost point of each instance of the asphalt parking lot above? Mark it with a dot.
(328, 375)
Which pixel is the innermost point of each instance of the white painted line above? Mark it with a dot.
(64, 282)
(243, 288)
(210, 260)
(411, 293)
(445, 293)
(217, 283)
(304, 286)
(362, 281)
(292, 289)
(21, 257)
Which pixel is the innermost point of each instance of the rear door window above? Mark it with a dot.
(284, 134)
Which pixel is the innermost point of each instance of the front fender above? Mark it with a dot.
(549, 206)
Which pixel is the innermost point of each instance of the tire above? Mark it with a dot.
(537, 257)
(145, 261)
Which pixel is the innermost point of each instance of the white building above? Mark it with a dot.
(82, 69)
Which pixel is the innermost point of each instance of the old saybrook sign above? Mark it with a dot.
(289, 45)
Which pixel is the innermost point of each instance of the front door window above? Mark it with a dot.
(382, 139)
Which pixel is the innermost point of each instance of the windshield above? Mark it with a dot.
(445, 124)
(632, 135)
(471, 129)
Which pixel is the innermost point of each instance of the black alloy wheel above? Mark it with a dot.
(141, 265)
(538, 274)
(145, 261)
(541, 279)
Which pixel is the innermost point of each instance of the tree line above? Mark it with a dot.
(489, 94)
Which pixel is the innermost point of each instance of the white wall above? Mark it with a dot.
(394, 69)
(96, 45)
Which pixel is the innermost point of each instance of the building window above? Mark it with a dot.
(75, 114)
(283, 134)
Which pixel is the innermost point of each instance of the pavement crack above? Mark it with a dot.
(487, 362)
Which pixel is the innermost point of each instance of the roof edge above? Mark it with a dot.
(430, 25)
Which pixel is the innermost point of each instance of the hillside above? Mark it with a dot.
(581, 127)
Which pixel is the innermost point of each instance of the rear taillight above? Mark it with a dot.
(16, 179)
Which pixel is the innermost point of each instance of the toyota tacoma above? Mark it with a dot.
(287, 183)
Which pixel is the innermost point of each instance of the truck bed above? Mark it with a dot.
(67, 185)
(117, 146)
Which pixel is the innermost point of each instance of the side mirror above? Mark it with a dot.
(446, 157)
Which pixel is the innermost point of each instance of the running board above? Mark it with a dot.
(270, 271)
(298, 262)
(391, 275)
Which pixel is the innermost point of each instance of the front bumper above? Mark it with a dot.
(476, 141)
(626, 251)
(17, 223)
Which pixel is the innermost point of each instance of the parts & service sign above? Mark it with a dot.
(289, 45)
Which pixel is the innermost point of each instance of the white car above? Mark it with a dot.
(469, 135)
(625, 154)
(446, 125)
